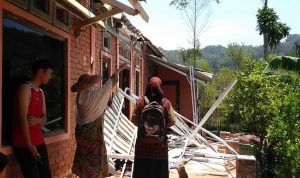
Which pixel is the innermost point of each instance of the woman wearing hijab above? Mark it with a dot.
(151, 158)
(90, 157)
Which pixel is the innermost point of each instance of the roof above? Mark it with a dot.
(200, 75)
(159, 57)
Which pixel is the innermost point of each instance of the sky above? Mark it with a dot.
(230, 21)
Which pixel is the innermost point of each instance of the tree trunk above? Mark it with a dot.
(266, 3)
(194, 32)
(266, 43)
(266, 46)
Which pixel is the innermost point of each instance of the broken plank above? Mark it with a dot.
(97, 18)
(121, 6)
(138, 6)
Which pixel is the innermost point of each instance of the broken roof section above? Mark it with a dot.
(105, 9)
(158, 57)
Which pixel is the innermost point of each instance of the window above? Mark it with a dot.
(106, 42)
(42, 8)
(105, 70)
(61, 18)
(21, 3)
(125, 53)
(137, 61)
(21, 46)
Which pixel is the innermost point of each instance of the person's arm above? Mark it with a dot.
(171, 116)
(23, 101)
(114, 77)
(44, 115)
(135, 116)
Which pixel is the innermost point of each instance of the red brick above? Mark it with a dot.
(245, 166)
(224, 134)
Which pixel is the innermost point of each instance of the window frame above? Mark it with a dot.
(106, 35)
(57, 22)
(36, 22)
(40, 13)
(108, 61)
(24, 5)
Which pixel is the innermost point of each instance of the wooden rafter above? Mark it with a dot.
(97, 18)
(122, 6)
(138, 6)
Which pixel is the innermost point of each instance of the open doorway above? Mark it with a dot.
(124, 83)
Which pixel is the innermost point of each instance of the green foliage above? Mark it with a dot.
(194, 56)
(238, 53)
(268, 105)
(209, 93)
(285, 62)
(250, 104)
(284, 129)
(217, 58)
(298, 50)
(204, 65)
(268, 25)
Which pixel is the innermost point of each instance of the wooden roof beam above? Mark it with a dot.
(125, 8)
(97, 18)
(138, 6)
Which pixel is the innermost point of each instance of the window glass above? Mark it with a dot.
(42, 5)
(105, 71)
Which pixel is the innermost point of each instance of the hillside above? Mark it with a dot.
(216, 55)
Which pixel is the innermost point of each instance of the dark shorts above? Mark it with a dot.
(32, 168)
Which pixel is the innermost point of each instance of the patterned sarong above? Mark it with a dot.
(90, 157)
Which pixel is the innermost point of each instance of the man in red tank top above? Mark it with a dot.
(29, 115)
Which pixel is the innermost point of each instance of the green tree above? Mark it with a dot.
(238, 53)
(210, 92)
(267, 105)
(204, 65)
(298, 50)
(269, 26)
(284, 130)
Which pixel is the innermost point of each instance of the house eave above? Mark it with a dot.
(183, 70)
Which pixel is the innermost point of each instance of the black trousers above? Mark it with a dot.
(32, 168)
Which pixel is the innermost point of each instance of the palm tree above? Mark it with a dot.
(269, 26)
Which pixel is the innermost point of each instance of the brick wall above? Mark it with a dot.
(80, 51)
(245, 166)
(234, 144)
(61, 153)
(224, 134)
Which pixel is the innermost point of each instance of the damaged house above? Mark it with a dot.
(87, 36)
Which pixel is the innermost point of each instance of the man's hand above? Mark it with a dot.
(34, 121)
(32, 149)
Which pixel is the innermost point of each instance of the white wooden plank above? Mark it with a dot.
(138, 6)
